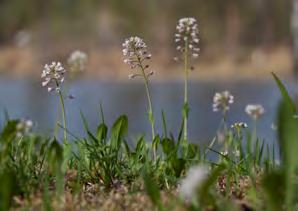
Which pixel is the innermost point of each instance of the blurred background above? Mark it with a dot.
(241, 43)
(239, 38)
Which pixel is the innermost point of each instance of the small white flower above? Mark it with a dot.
(132, 76)
(150, 73)
(237, 153)
(23, 127)
(53, 76)
(222, 100)
(255, 111)
(239, 125)
(77, 61)
(135, 50)
(224, 152)
(135, 53)
(194, 179)
(188, 31)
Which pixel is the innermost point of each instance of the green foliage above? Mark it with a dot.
(288, 141)
(118, 132)
(287, 99)
(280, 184)
(8, 187)
(152, 190)
(205, 196)
(275, 191)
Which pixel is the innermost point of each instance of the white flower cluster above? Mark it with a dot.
(222, 100)
(239, 125)
(77, 61)
(187, 36)
(53, 76)
(255, 111)
(135, 52)
(190, 184)
(24, 127)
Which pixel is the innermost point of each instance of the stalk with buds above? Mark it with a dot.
(187, 43)
(53, 77)
(136, 54)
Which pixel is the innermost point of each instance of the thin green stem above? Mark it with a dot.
(185, 88)
(149, 100)
(150, 108)
(63, 114)
(254, 135)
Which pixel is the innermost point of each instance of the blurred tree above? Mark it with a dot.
(295, 35)
(16, 14)
(225, 24)
(232, 27)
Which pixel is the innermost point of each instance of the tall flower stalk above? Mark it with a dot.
(221, 103)
(187, 43)
(53, 77)
(136, 54)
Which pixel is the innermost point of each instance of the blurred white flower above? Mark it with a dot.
(255, 111)
(77, 61)
(273, 126)
(277, 162)
(224, 152)
(187, 36)
(22, 38)
(53, 76)
(23, 127)
(237, 153)
(194, 179)
(222, 100)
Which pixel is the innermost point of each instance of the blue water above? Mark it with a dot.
(26, 98)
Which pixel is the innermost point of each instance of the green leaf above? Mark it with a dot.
(119, 130)
(127, 149)
(164, 124)
(185, 110)
(101, 114)
(192, 151)
(102, 131)
(8, 188)
(180, 134)
(288, 142)
(284, 93)
(55, 156)
(155, 142)
(9, 131)
(141, 145)
(274, 186)
(150, 117)
(89, 133)
(168, 146)
(152, 191)
(178, 166)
